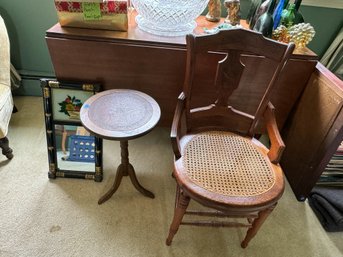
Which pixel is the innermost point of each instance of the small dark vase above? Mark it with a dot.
(253, 7)
(298, 16)
(265, 23)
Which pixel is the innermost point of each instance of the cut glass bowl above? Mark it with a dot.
(168, 17)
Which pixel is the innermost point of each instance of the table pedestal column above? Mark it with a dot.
(125, 169)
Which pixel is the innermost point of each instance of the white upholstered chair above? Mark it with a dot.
(6, 102)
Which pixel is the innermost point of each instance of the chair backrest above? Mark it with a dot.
(248, 66)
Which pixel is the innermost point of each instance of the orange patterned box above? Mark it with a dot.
(94, 14)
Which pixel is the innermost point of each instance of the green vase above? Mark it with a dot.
(292, 16)
(288, 17)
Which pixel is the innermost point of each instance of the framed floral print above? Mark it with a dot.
(66, 103)
(72, 151)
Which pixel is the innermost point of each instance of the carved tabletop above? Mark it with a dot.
(121, 114)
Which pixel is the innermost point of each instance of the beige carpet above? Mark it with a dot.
(42, 217)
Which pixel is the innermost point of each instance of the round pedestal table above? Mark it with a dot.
(121, 114)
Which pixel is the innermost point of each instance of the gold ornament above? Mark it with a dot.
(281, 34)
(301, 34)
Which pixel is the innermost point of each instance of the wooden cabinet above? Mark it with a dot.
(156, 65)
(314, 132)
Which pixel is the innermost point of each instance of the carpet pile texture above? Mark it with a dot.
(61, 217)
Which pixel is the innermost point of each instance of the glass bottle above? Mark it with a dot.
(284, 11)
(278, 12)
(288, 17)
(265, 23)
(253, 7)
(262, 8)
(298, 16)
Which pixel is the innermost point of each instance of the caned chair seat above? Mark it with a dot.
(227, 168)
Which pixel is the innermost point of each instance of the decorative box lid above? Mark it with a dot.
(106, 6)
(90, 1)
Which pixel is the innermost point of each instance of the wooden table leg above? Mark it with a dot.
(125, 169)
(136, 184)
(113, 189)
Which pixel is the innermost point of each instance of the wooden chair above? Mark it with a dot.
(218, 162)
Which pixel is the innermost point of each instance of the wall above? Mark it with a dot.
(327, 22)
(27, 22)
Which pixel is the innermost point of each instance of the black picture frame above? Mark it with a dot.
(71, 149)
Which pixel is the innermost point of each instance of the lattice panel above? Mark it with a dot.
(227, 164)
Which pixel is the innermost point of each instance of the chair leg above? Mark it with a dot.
(177, 196)
(6, 150)
(182, 202)
(262, 216)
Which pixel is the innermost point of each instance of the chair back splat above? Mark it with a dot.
(218, 162)
(237, 51)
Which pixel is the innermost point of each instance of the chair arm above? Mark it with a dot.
(175, 129)
(277, 145)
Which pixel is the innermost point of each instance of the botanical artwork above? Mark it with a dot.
(66, 103)
(71, 106)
